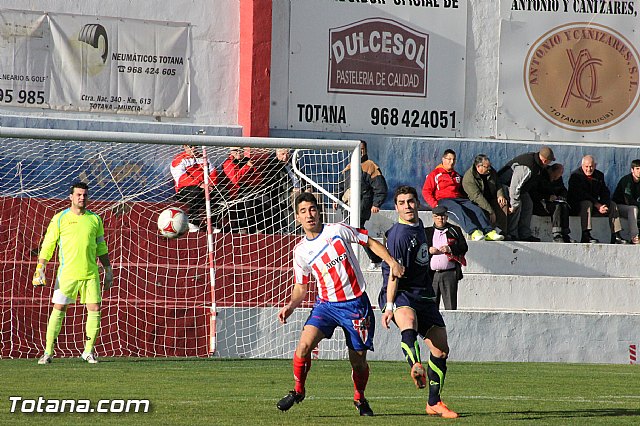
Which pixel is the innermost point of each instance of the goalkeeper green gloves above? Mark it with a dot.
(39, 279)
(108, 277)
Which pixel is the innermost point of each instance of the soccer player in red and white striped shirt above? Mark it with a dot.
(325, 252)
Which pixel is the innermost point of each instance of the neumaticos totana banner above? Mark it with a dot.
(94, 64)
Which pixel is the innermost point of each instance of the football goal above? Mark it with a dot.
(216, 289)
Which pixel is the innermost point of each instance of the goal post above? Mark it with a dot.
(214, 290)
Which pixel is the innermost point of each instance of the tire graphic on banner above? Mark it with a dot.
(96, 36)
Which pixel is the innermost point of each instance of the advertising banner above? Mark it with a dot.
(569, 70)
(394, 67)
(95, 64)
(24, 59)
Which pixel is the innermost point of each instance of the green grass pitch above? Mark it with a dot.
(244, 392)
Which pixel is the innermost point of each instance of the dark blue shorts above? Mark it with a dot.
(355, 317)
(427, 312)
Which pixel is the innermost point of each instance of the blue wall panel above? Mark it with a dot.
(408, 160)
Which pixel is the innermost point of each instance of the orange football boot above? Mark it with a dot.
(441, 410)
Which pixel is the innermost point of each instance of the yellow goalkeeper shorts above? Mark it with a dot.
(67, 292)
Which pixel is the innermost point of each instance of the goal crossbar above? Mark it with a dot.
(204, 140)
(173, 139)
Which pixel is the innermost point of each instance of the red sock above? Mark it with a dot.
(301, 367)
(360, 380)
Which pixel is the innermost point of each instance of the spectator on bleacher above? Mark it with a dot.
(627, 197)
(373, 192)
(480, 183)
(240, 170)
(550, 199)
(443, 186)
(589, 196)
(281, 186)
(246, 202)
(187, 169)
(447, 248)
(521, 175)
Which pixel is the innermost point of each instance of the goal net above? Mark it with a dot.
(214, 290)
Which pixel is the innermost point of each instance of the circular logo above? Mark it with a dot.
(582, 76)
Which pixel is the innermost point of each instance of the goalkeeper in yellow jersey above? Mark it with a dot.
(79, 235)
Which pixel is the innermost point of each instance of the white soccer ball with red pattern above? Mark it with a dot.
(173, 222)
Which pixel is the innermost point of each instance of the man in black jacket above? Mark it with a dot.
(550, 199)
(373, 192)
(589, 196)
(521, 175)
(627, 196)
(281, 186)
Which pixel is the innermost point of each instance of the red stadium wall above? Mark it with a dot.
(159, 305)
(254, 95)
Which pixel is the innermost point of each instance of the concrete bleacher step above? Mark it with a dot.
(526, 336)
(552, 259)
(538, 293)
(548, 259)
(483, 335)
(555, 294)
(543, 276)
